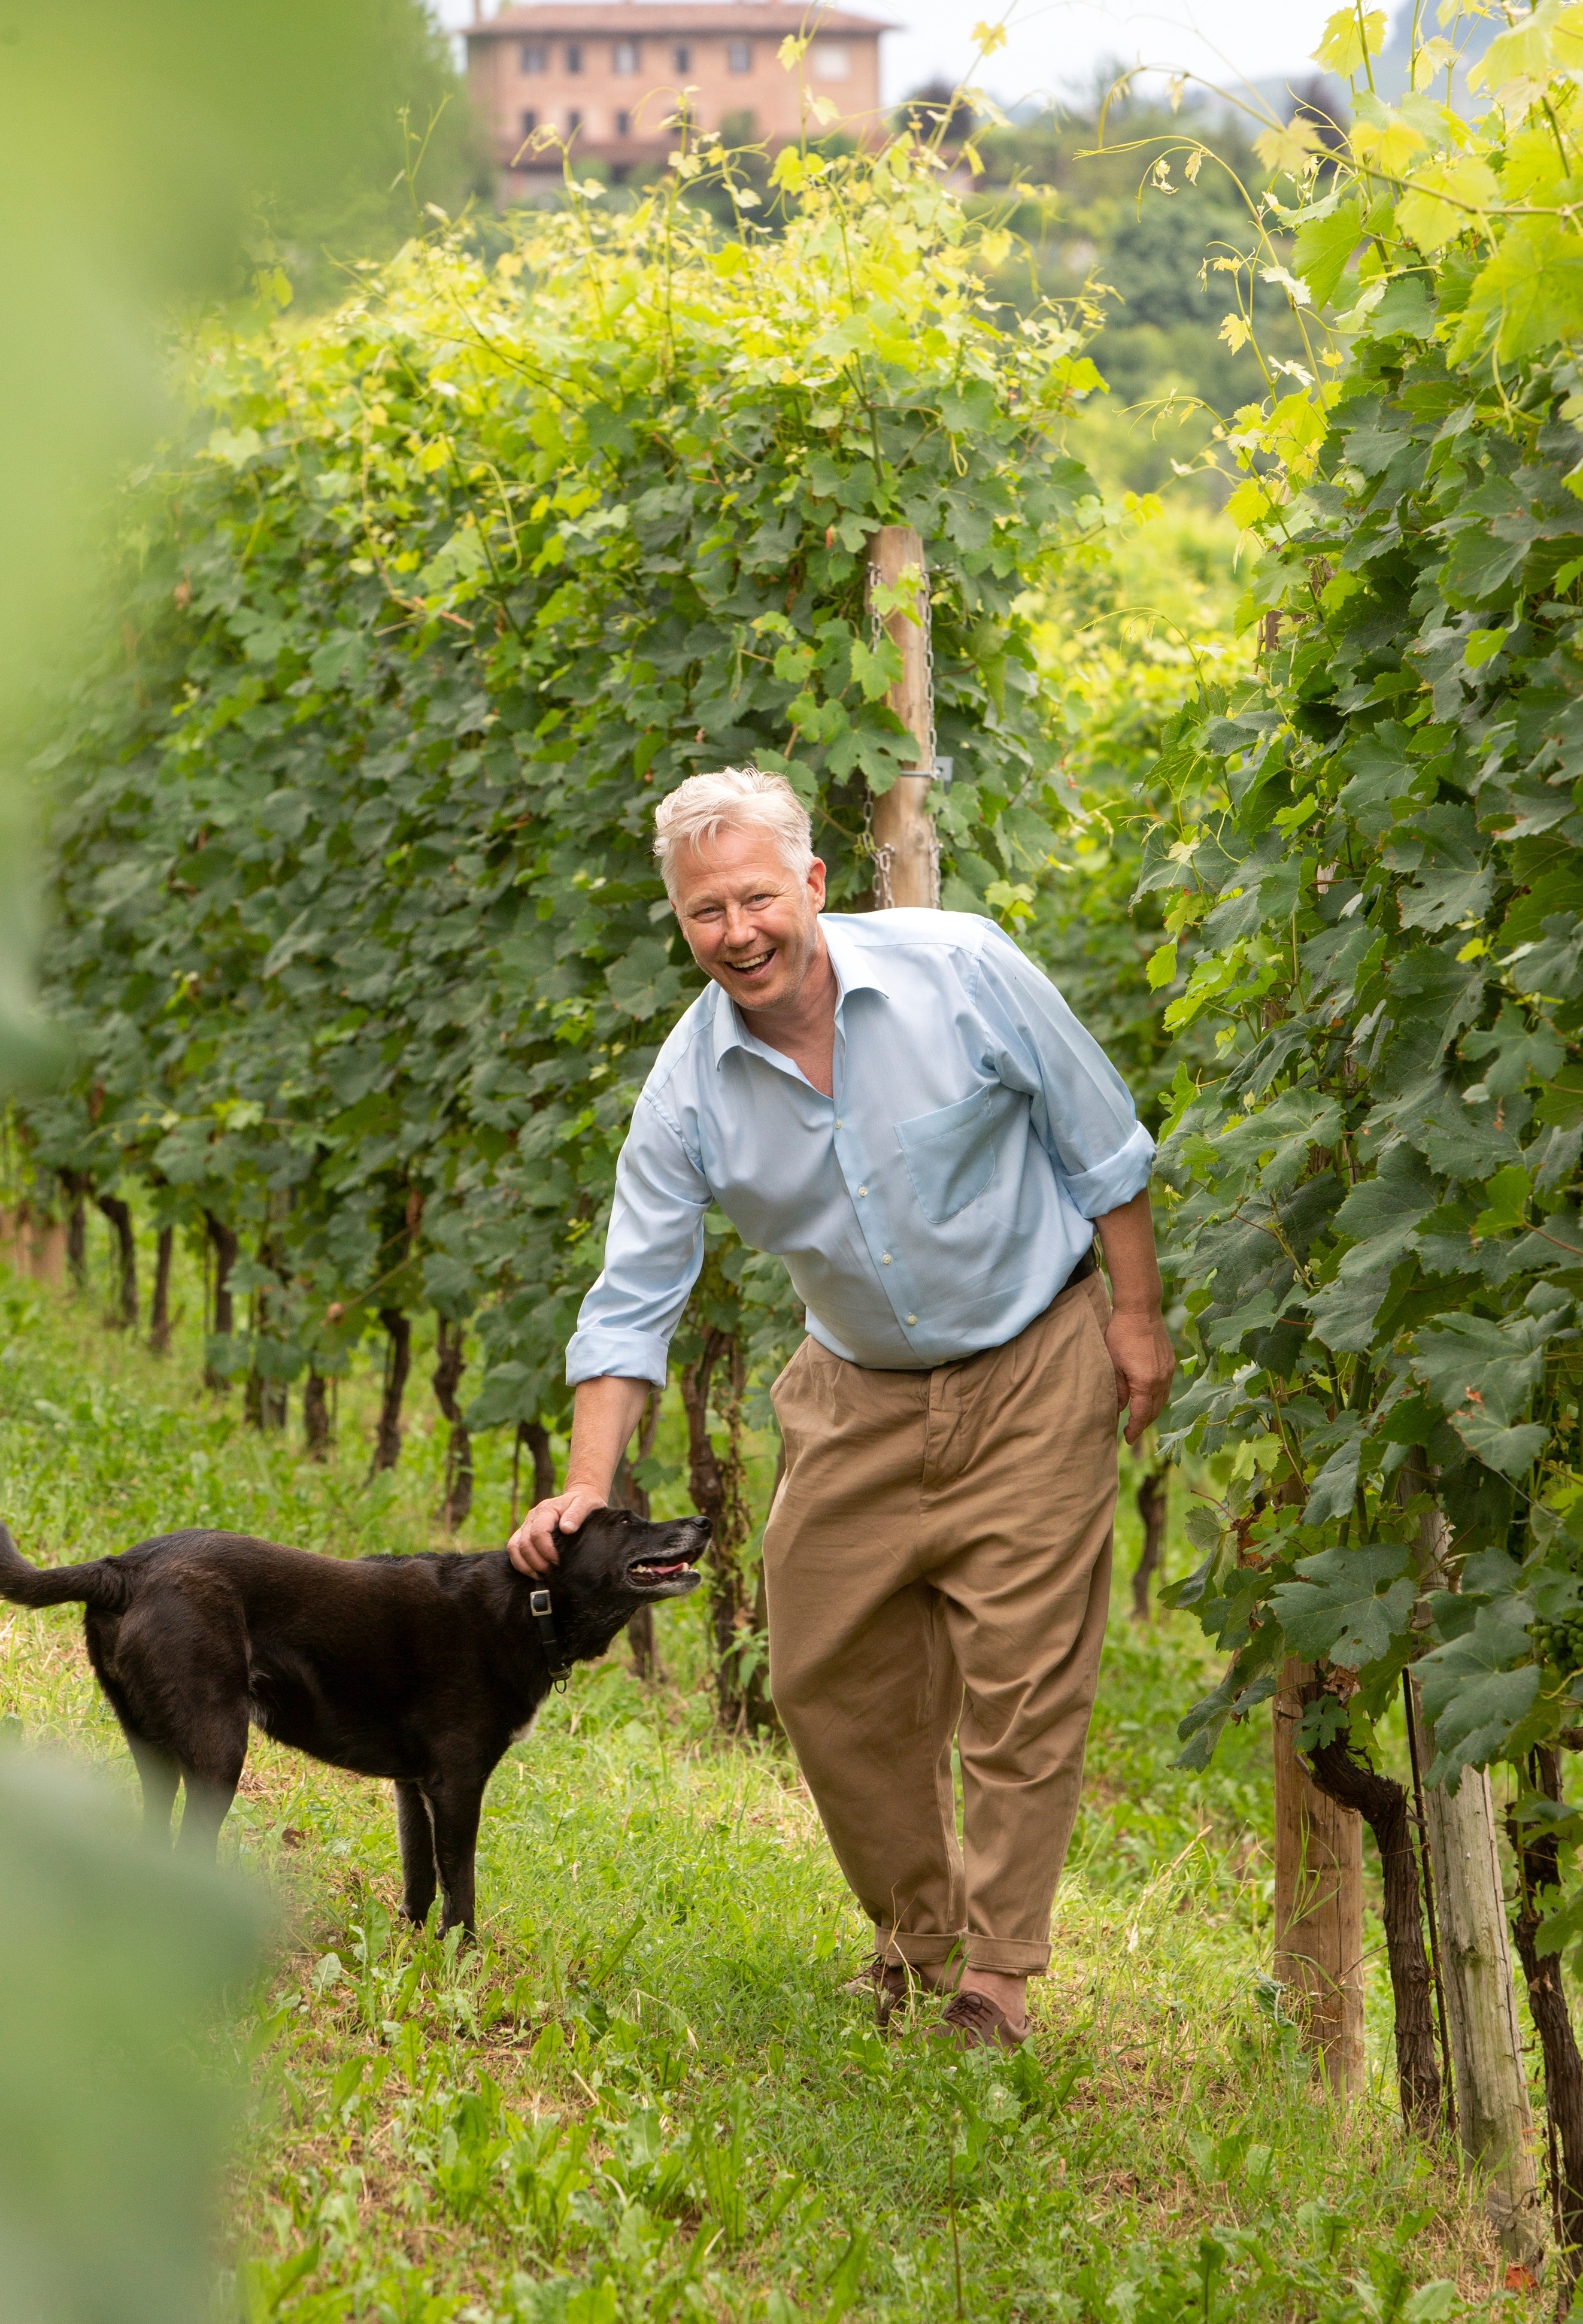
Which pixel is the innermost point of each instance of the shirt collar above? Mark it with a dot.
(853, 961)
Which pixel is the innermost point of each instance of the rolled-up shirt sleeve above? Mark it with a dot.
(653, 1254)
(1082, 1113)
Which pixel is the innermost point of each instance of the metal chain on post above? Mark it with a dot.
(926, 608)
(880, 855)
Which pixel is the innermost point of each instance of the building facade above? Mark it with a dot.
(606, 76)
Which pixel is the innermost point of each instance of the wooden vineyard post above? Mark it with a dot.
(1318, 1901)
(906, 856)
(1494, 2119)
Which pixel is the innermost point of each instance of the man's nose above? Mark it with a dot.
(739, 929)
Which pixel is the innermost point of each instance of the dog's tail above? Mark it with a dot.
(99, 1584)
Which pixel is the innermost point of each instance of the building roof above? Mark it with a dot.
(653, 19)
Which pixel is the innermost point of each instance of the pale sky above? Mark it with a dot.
(1056, 46)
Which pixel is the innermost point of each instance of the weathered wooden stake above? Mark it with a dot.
(1318, 1901)
(1494, 2119)
(906, 859)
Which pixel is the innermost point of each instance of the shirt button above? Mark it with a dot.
(911, 1319)
(863, 1189)
(884, 1258)
(839, 1124)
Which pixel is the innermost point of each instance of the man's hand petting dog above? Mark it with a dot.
(533, 1545)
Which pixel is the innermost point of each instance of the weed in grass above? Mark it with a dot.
(644, 2093)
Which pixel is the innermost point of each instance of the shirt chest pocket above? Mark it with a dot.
(950, 1154)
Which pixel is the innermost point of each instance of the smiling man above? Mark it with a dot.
(904, 1107)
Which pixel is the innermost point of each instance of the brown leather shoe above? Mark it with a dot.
(890, 1983)
(973, 2022)
(886, 1981)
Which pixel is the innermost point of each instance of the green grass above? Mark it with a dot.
(645, 2094)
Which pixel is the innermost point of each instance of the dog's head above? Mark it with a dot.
(616, 1563)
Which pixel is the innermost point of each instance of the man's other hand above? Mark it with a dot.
(533, 1545)
(1144, 1360)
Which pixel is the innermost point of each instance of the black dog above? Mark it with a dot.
(421, 1669)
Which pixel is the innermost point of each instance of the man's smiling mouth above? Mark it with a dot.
(751, 967)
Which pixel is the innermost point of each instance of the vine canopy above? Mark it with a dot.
(1377, 1186)
(358, 926)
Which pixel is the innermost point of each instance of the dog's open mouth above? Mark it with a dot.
(669, 1574)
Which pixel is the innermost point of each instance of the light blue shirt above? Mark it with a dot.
(932, 1206)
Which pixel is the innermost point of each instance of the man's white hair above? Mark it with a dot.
(736, 798)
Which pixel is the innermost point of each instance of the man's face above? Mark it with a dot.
(752, 923)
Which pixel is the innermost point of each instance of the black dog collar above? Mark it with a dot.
(543, 1615)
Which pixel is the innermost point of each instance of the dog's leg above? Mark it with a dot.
(158, 1769)
(417, 1838)
(158, 1775)
(209, 1804)
(211, 1776)
(454, 1806)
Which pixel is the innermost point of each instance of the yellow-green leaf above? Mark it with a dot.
(1322, 248)
(1529, 294)
(1289, 146)
(1389, 143)
(1507, 1208)
(1483, 645)
(1444, 199)
(1341, 48)
(1527, 50)
(1248, 503)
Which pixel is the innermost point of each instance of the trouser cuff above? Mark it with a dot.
(1007, 1957)
(923, 1948)
(918, 1948)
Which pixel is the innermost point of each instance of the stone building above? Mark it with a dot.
(607, 75)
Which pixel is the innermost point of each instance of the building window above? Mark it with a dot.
(739, 55)
(530, 122)
(680, 58)
(831, 61)
(623, 57)
(574, 56)
(533, 56)
(624, 124)
(574, 122)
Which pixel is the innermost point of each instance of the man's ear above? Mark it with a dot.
(816, 883)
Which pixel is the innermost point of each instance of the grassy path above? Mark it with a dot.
(645, 2094)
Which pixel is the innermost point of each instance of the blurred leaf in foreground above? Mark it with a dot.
(111, 2113)
(137, 138)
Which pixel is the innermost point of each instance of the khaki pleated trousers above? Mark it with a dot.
(936, 1564)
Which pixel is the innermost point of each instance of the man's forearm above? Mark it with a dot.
(1128, 1238)
(605, 1413)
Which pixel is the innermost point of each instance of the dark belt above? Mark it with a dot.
(1085, 1267)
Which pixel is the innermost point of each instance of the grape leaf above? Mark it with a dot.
(1348, 1605)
